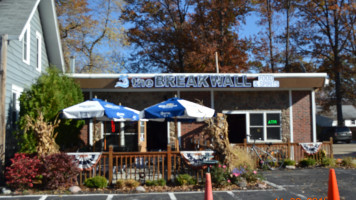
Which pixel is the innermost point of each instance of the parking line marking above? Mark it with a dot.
(110, 197)
(43, 197)
(232, 194)
(172, 196)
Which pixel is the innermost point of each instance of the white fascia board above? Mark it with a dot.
(276, 75)
(58, 40)
(29, 20)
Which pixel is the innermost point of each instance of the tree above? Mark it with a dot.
(327, 32)
(264, 46)
(183, 35)
(215, 26)
(51, 93)
(90, 31)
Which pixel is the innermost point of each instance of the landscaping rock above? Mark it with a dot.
(290, 167)
(242, 184)
(5, 191)
(262, 185)
(74, 189)
(140, 189)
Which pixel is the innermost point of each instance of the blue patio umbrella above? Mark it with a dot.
(101, 110)
(176, 109)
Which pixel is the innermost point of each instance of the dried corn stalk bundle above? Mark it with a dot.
(217, 129)
(44, 134)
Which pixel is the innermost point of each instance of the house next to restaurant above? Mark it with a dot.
(325, 119)
(29, 43)
(276, 107)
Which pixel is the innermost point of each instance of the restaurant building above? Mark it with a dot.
(275, 107)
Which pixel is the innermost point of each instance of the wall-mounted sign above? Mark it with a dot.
(197, 81)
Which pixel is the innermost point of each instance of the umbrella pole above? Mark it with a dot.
(94, 121)
(176, 133)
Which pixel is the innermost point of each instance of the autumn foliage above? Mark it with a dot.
(23, 171)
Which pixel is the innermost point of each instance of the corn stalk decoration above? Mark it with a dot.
(44, 134)
(217, 129)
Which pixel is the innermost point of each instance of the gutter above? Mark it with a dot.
(275, 75)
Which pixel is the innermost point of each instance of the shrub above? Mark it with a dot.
(51, 92)
(96, 182)
(246, 173)
(219, 175)
(159, 182)
(289, 162)
(23, 171)
(328, 162)
(130, 183)
(60, 170)
(347, 162)
(307, 162)
(120, 184)
(185, 179)
(244, 159)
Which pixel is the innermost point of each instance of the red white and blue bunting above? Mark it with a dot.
(311, 148)
(196, 158)
(86, 160)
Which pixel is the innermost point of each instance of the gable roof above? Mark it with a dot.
(16, 14)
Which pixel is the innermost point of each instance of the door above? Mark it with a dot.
(157, 136)
(237, 127)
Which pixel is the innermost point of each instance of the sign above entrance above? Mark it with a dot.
(197, 81)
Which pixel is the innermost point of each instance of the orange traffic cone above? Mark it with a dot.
(333, 191)
(208, 188)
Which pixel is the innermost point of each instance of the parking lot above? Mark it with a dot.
(299, 184)
(343, 149)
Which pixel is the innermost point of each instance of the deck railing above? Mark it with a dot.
(139, 166)
(294, 151)
(168, 164)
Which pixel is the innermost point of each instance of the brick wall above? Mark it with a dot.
(302, 119)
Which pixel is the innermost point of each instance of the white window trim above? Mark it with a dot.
(39, 51)
(265, 112)
(28, 45)
(18, 91)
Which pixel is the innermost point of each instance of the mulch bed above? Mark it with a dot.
(148, 189)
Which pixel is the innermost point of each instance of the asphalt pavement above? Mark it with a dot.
(299, 184)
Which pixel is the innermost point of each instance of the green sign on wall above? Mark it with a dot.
(272, 122)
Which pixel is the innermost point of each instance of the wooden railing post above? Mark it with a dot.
(289, 150)
(169, 162)
(111, 149)
(331, 148)
(245, 144)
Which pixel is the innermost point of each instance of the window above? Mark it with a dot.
(39, 51)
(15, 103)
(26, 45)
(265, 125)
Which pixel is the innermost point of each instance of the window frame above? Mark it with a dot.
(265, 126)
(39, 51)
(17, 91)
(26, 44)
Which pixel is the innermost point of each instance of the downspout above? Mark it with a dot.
(3, 57)
(313, 115)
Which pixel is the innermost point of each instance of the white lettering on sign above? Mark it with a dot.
(198, 81)
(265, 81)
